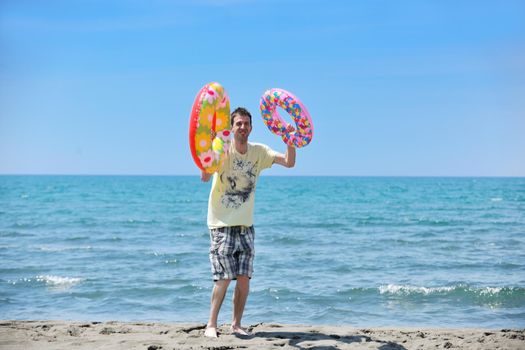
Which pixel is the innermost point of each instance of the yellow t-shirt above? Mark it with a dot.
(232, 192)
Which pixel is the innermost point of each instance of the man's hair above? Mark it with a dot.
(240, 111)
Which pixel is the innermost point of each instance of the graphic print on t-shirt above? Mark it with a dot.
(239, 182)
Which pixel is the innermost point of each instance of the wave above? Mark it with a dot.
(77, 238)
(288, 240)
(132, 221)
(463, 288)
(15, 234)
(50, 280)
(58, 280)
(458, 294)
(492, 296)
(52, 248)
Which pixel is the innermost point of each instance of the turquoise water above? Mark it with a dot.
(331, 250)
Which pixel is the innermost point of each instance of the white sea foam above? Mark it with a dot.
(47, 248)
(52, 248)
(410, 290)
(407, 289)
(58, 281)
(490, 290)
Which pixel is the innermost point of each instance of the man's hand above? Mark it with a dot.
(205, 177)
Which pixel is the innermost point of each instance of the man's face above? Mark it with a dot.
(241, 128)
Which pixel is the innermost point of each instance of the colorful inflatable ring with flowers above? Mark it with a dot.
(274, 98)
(210, 114)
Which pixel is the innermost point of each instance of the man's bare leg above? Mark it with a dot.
(240, 296)
(217, 297)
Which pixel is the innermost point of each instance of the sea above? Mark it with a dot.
(358, 251)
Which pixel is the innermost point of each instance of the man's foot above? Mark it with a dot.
(239, 330)
(210, 332)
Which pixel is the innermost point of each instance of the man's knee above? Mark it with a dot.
(243, 281)
(221, 284)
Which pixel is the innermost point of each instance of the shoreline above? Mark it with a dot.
(155, 336)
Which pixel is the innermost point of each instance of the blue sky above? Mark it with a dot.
(417, 88)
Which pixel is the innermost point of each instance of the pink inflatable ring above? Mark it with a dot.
(304, 130)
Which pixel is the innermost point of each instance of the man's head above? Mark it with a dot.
(240, 111)
(241, 121)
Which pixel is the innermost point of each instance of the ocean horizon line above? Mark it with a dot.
(270, 175)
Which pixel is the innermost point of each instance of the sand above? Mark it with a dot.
(155, 336)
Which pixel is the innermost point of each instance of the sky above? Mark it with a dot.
(394, 88)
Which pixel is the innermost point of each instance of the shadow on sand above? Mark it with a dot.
(319, 341)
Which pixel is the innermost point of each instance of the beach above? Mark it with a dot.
(59, 335)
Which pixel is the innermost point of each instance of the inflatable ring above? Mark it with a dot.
(274, 98)
(210, 113)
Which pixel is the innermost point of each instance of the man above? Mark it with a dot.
(230, 216)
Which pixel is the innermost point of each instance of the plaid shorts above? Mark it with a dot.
(232, 252)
